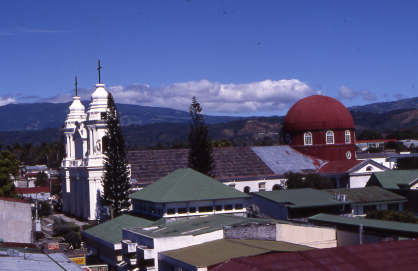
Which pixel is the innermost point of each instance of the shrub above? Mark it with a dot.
(74, 239)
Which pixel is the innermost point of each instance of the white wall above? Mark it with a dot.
(15, 221)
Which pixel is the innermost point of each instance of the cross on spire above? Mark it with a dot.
(99, 71)
(76, 83)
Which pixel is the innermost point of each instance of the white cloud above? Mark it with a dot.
(267, 96)
(348, 93)
(6, 100)
(215, 98)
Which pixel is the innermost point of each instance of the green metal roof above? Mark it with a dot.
(300, 198)
(186, 185)
(111, 231)
(392, 179)
(369, 223)
(200, 225)
(308, 197)
(222, 250)
(371, 194)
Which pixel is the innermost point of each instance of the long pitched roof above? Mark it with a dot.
(348, 166)
(231, 163)
(218, 251)
(186, 185)
(111, 231)
(395, 179)
(372, 224)
(392, 255)
(308, 197)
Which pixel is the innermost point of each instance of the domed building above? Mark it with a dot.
(321, 127)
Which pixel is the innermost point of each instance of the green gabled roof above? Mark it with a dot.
(370, 194)
(300, 198)
(186, 185)
(393, 179)
(111, 231)
(308, 197)
(369, 223)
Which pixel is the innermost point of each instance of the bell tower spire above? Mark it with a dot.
(99, 72)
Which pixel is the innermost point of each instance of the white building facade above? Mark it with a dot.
(82, 168)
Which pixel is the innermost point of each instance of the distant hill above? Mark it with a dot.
(41, 116)
(387, 106)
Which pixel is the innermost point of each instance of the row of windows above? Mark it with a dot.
(201, 209)
(329, 137)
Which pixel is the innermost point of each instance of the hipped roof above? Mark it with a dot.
(186, 185)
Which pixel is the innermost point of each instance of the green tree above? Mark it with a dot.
(221, 143)
(200, 156)
(389, 215)
(8, 167)
(310, 180)
(74, 239)
(41, 179)
(116, 179)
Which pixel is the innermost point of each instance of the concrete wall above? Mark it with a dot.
(317, 237)
(252, 231)
(15, 221)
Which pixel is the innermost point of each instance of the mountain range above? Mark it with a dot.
(148, 126)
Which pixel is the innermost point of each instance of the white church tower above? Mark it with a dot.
(82, 168)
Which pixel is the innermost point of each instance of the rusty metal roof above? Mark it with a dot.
(392, 255)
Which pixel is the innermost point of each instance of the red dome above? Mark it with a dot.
(317, 112)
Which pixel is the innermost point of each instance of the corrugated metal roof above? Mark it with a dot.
(367, 223)
(200, 225)
(308, 197)
(31, 190)
(186, 185)
(111, 231)
(281, 159)
(367, 194)
(392, 255)
(395, 178)
(218, 251)
(300, 198)
(34, 262)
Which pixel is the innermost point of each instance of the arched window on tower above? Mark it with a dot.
(330, 137)
(347, 137)
(105, 143)
(308, 138)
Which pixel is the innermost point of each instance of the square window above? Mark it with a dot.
(182, 210)
(218, 208)
(238, 206)
(192, 209)
(228, 207)
(171, 211)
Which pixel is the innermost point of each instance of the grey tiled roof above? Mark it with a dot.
(37, 262)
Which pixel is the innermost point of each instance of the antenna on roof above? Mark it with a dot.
(76, 83)
(99, 71)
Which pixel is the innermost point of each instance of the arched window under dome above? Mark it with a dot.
(308, 138)
(330, 137)
(347, 137)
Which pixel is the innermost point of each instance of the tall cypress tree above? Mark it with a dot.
(116, 178)
(200, 148)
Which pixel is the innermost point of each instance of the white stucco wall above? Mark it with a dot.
(15, 221)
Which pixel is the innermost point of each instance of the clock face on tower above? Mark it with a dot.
(287, 139)
(348, 155)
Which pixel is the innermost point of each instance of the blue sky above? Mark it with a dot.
(237, 57)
